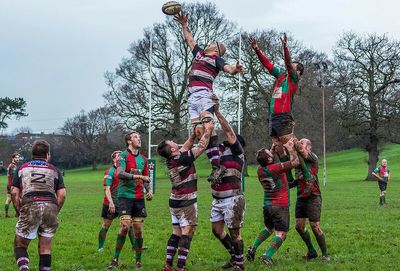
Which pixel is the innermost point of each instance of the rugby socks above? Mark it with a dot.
(6, 208)
(45, 262)
(183, 250)
(227, 243)
(276, 243)
(381, 200)
(138, 248)
(102, 237)
(172, 247)
(238, 246)
(132, 237)
(262, 236)
(307, 239)
(21, 255)
(322, 244)
(119, 245)
(212, 152)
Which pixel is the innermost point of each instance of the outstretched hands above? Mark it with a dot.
(182, 19)
(253, 42)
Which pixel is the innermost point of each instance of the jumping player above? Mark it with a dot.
(228, 204)
(38, 195)
(276, 201)
(281, 122)
(382, 174)
(183, 199)
(11, 170)
(133, 174)
(206, 65)
(309, 201)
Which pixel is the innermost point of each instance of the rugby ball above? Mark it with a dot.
(171, 8)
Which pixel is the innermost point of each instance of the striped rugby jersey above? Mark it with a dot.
(232, 158)
(204, 70)
(111, 180)
(182, 174)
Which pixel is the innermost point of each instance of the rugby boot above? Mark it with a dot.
(167, 268)
(180, 269)
(113, 264)
(266, 260)
(229, 264)
(310, 255)
(138, 264)
(325, 258)
(251, 254)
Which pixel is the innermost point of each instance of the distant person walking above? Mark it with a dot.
(11, 170)
(382, 174)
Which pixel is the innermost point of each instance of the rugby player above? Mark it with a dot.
(281, 121)
(272, 177)
(11, 170)
(228, 204)
(206, 65)
(183, 199)
(38, 194)
(133, 174)
(309, 200)
(382, 174)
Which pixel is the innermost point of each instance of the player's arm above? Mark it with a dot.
(122, 174)
(189, 142)
(16, 192)
(182, 19)
(294, 159)
(204, 140)
(146, 180)
(230, 134)
(61, 195)
(377, 176)
(233, 69)
(288, 59)
(107, 192)
(274, 71)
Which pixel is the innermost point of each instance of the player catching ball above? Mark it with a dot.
(281, 121)
(206, 65)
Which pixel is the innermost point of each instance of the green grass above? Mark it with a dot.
(360, 235)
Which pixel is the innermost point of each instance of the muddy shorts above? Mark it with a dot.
(382, 185)
(230, 210)
(280, 124)
(132, 207)
(276, 217)
(184, 216)
(105, 213)
(309, 207)
(37, 218)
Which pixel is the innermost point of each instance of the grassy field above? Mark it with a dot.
(360, 234)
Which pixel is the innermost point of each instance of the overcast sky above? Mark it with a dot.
(54, 53)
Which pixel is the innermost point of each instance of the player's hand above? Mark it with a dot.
(145, 178)
(136, 171)
(149, 195)
(284, 39)
(209, 126)
(182, 19)
(289, 145)
(239, 68)
(111, 208)
(253, 42)
(215, 99)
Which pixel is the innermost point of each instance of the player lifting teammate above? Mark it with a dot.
(133, 177)
(206, 65)
(281, 122)
(38, 194)
(276, 201)
(183, 199)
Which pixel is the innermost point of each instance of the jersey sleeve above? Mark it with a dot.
(377, 170)
(236, 148)
(59, 182)
(16, 181)
(274, 71)
(108, 177)
(220, 63)
(196, 50)
(186, 158)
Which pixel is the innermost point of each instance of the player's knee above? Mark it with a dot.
(218, 233)
(235, 234)
(281, 234)
(316, 228)
(300, 227)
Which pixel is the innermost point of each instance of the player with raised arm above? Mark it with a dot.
(228, 204)
(281, 121)
(38, 194)
(272, 177)
(183, 199)
(133, 174)
(309, 200)
(206, 65)
(382, 174)
(11, 170)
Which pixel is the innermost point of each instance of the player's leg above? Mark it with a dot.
(381, 194)
(103, 233)
(184, 246)
(8, 201)
(280, 220)
(44, 248)
(233, 217)
(262, 235)
(172, 245)
(314, 214)
(138, 214)
(301, 218)
(21, 252)
(217, 227)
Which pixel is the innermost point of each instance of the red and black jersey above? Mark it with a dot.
(11, 170)
(111, 180)
(182, 174)
(307, 174)
(232, 158)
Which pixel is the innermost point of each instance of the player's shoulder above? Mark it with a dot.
(144, 157)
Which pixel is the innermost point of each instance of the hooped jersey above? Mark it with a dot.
(111, 180)
(383, 172)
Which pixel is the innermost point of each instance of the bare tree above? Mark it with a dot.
(11, 108)
(367, 77)
(171, 60)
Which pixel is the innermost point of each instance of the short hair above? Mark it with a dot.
(15, 154)
(262, 157)
(115, 154)
(164, 149)
(40, 149)
(128, 137)
(300, 67)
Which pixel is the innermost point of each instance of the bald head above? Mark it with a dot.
(215, 48)
(384, 162)
(306, 144)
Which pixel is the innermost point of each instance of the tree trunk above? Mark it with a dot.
(373, 155)
(94, 165)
